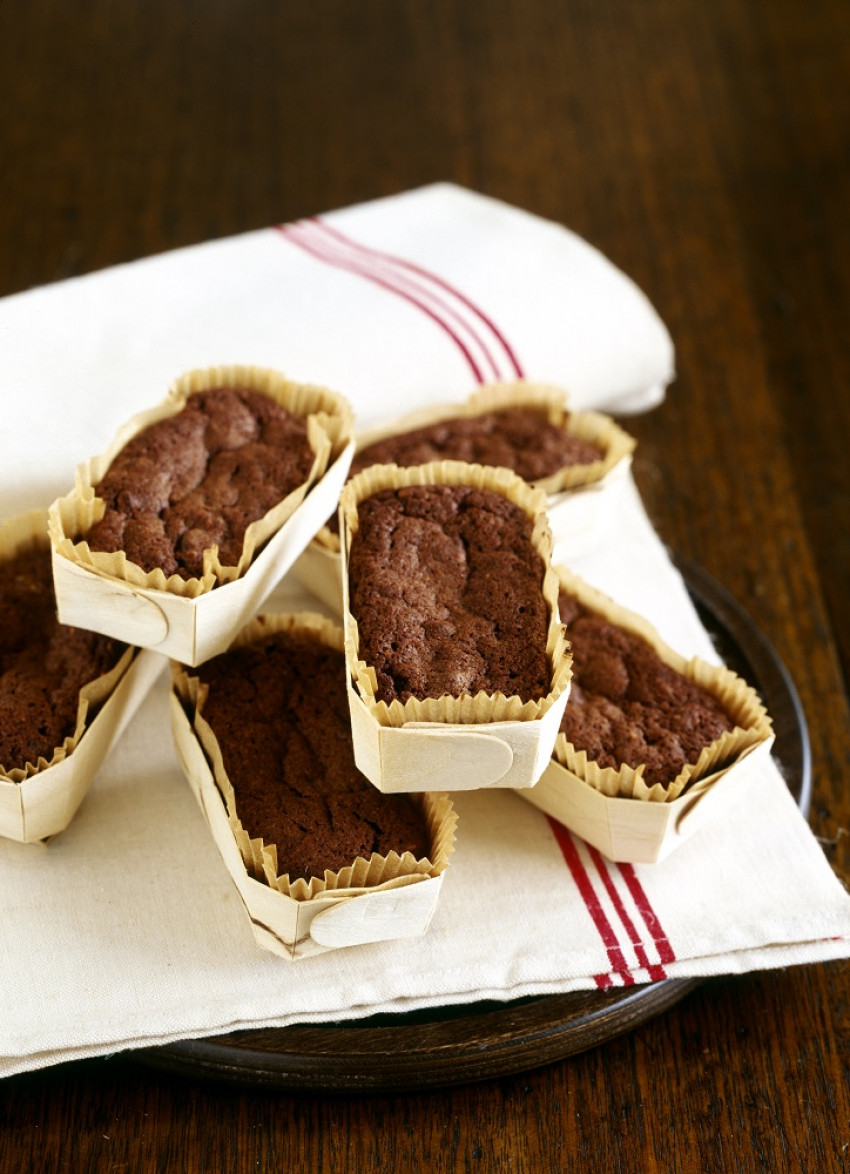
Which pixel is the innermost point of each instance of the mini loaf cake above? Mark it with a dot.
(445, 585)
(652, 744)
(519, 438)
(43, 664)
(197, 479)
(279, 712)
(627, 706)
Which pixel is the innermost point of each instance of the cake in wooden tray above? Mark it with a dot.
(451, 622)
(579, 459)
(652, 744)
(174, 537)
(320, 857)
(66, 693)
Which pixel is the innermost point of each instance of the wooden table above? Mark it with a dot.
(704, 149)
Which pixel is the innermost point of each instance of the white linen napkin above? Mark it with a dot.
(113, 936)
(396, 303)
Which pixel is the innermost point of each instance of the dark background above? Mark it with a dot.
(705, 148)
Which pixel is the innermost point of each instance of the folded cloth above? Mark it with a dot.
(113, 936)
(396, 303)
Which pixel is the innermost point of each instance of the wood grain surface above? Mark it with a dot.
(704, 149)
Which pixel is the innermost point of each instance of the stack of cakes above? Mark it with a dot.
(321, 755)
(433, 584)
(580, 460)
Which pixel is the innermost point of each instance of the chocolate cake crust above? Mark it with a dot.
(626, 706)
(199, 479)
(446, 587)
(279, 711)
(521, 439)
(43, 664)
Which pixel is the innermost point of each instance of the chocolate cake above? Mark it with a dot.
(520, 439)
(199, 478)
(43, 664)
(626, 706)
(446, 587)
(279, 711)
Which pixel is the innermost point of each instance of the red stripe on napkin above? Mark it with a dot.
(594, 907)
(655, 971)
(318, 249)
(429, 293)
(509, 357)
(662, 943)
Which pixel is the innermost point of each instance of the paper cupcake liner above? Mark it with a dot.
(39, 799)
(465, 742)
(329, 421)
(304, 917)
(738, 699)
(581, 499)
